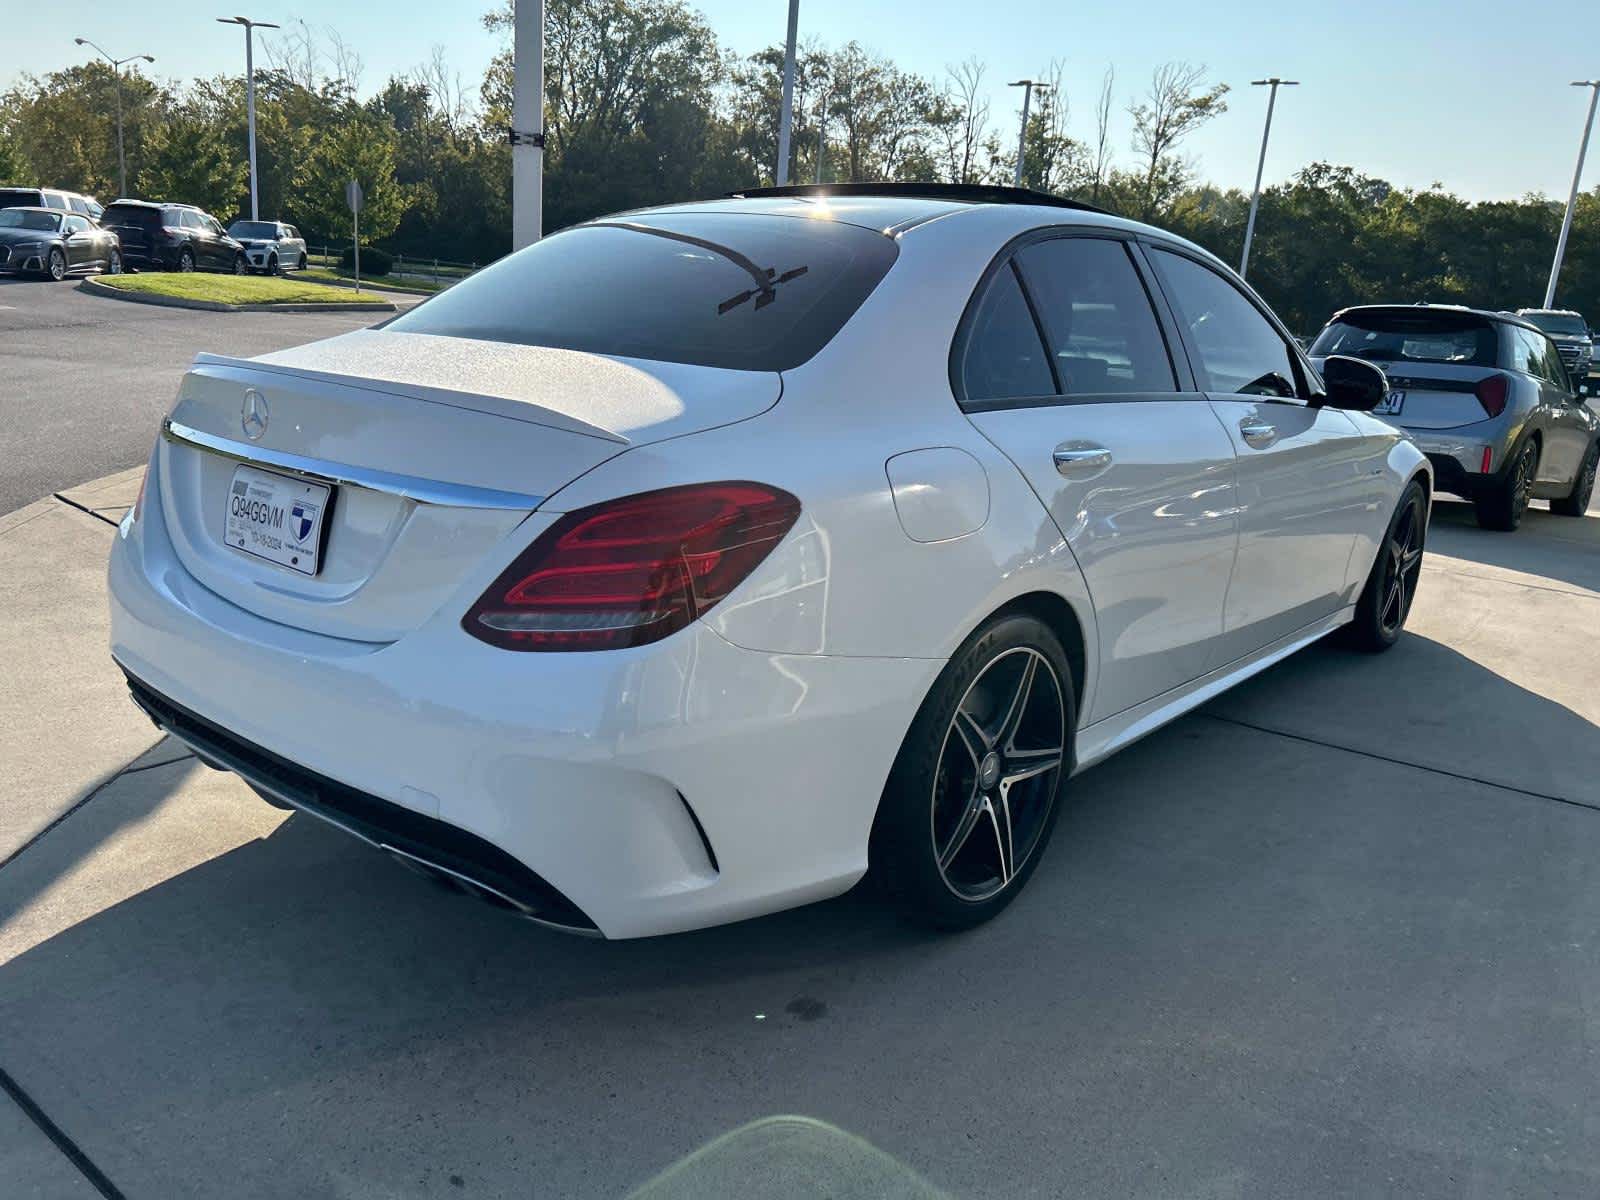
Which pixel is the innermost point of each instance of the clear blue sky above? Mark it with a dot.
(1471, 93)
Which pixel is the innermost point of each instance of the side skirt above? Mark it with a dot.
(1105, 737)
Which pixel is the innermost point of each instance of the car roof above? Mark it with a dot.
(1499, 317)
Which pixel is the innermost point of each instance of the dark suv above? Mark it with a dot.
(172, 237)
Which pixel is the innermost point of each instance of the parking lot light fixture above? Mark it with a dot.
(116, 72)
(1029, 87)
(1255, 196)
(250, 95)
(1572, 198)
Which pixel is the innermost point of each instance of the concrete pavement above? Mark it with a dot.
(1335, 935)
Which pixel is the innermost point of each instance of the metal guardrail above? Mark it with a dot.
(436, 270)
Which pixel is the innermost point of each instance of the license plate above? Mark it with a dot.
(1390, 405)
(277, 517)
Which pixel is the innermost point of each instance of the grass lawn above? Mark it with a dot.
(421, 287)
(232, 289)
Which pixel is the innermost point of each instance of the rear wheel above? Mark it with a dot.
(186, 260)
(974, 792)
(1576, 502)
(1503, 507)
(1386, 600)
(302, 262)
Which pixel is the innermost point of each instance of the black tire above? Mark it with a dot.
(186, 260)
(114, 263)
(302, 265)
(976, 788)
(1391, 586)
(1502, 508)
(55, 265)
(1576, 502)
(272, 265)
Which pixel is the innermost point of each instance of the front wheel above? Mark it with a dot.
(1504, 506)
(56, 265)
(974, 792)
(114, 263)
(1392, 584)
(1576, 502)
(241, 265)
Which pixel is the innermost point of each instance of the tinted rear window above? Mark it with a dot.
(21, 198)
(128, 214)
(758, 293)
(1456, 338)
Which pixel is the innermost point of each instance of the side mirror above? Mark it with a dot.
(1353, 383)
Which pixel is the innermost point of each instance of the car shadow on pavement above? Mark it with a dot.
(298, 998)
(1560, 548)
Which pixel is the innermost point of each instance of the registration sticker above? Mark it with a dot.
(277, 517)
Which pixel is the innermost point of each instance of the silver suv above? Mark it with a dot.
(1486, 396)
(270, 246)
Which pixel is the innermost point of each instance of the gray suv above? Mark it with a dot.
(1570, 332)
(1486, 397)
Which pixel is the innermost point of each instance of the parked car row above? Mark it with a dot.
(55, 234)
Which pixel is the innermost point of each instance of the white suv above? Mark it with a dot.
(270, 246)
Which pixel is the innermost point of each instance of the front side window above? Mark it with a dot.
(1097, 318)
(77, 224)
(749, 291)
(79, 205)
(1240, 350)
(1004, 358)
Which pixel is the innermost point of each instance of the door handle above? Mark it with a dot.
(1257, 432)
(1080, 460)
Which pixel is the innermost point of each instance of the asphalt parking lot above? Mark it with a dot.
(1334, 935)
(84, 379)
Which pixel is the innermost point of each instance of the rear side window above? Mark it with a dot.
(753, 292)
(55, 200)
(1004, 358)
(1459, 339)
(1097, 317)
(1240, 350)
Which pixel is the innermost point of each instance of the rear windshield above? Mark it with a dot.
(21, 198)
(253, 229)
(1457, 338)
(128, 214)
(1557, 322)
(759, 293)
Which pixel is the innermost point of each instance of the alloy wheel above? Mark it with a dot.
(185, 261)
(57, 266)
(1522, 481)
(114, 264)
(998, 771)
(1402, 567)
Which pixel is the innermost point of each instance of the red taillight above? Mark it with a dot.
(1488, 457)
(633, 570)
(1491, 393)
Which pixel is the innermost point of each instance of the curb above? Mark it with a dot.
(368, 286)
(95, 288)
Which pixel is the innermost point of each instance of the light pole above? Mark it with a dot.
(1029, 87)
(1255, 196)
(1566, 222)
(786, 111)
(527, 124)
(116, 71)
(250, 95)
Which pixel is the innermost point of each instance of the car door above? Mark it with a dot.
(217, 252)
(1566, 438)
(1063, 365)
(79, 241)
(1308, 478)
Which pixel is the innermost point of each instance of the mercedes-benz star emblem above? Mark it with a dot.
(253, 414)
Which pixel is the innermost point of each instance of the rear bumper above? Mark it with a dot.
(656, 789)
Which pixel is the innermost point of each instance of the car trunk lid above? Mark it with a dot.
(436, 449)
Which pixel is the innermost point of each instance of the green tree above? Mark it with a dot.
(360, 147)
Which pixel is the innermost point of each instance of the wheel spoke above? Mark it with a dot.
(1390, 599)
(1022, 768)
(972, 735)
(1007, 732)
(1000, 817)
(963, 829)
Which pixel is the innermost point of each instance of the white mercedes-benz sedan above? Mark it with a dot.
(695, 562)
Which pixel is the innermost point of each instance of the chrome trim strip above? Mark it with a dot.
(410, 487)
